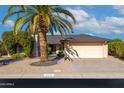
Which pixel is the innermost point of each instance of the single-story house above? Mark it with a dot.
(80, 46)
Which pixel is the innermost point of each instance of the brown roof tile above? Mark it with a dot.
(75, 38)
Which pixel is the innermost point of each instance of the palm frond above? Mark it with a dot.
(50, 16)
(11, 14)
(65, 12)
(20, 21)
(11, 8)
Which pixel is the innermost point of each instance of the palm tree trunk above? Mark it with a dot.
(43, 47)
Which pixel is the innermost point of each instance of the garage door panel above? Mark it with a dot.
(88, 51)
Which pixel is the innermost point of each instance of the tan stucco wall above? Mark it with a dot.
(87, 50)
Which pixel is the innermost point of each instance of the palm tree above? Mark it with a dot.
(43, 19)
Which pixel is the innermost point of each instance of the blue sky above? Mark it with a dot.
(103, 21)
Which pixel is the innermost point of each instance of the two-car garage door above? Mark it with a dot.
(89, 51)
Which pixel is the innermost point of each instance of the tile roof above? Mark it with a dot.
(75, 38)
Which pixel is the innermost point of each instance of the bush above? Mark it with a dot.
(0, 55)
(3, 51)
(27, 42)
(11, 42)
(49, 50)
(117, 40)
(60, 53)
(17, 55)
(23, 55)
(116, 48)
(120, 50)
(113, 47)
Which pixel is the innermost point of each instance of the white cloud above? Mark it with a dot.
(118, 31)
(79, 14)
(9, 23)
(115, 21)
(55, 33)
(91, 34)
(120, 8)
(88, 23)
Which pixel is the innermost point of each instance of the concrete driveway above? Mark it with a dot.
(78, 68)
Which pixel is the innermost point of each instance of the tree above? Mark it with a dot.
(117, 40)
(11, 43)
(41, 19)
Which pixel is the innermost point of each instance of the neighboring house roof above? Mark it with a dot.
(75, 38)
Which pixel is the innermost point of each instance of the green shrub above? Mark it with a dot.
(117, 40)
(3, 51)
(60, 53)
(23, 55)
(17, 56)
(27, 42)
(113, 47)
(0, 55)
(49, 50)
(11, 42)
(120, 50)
